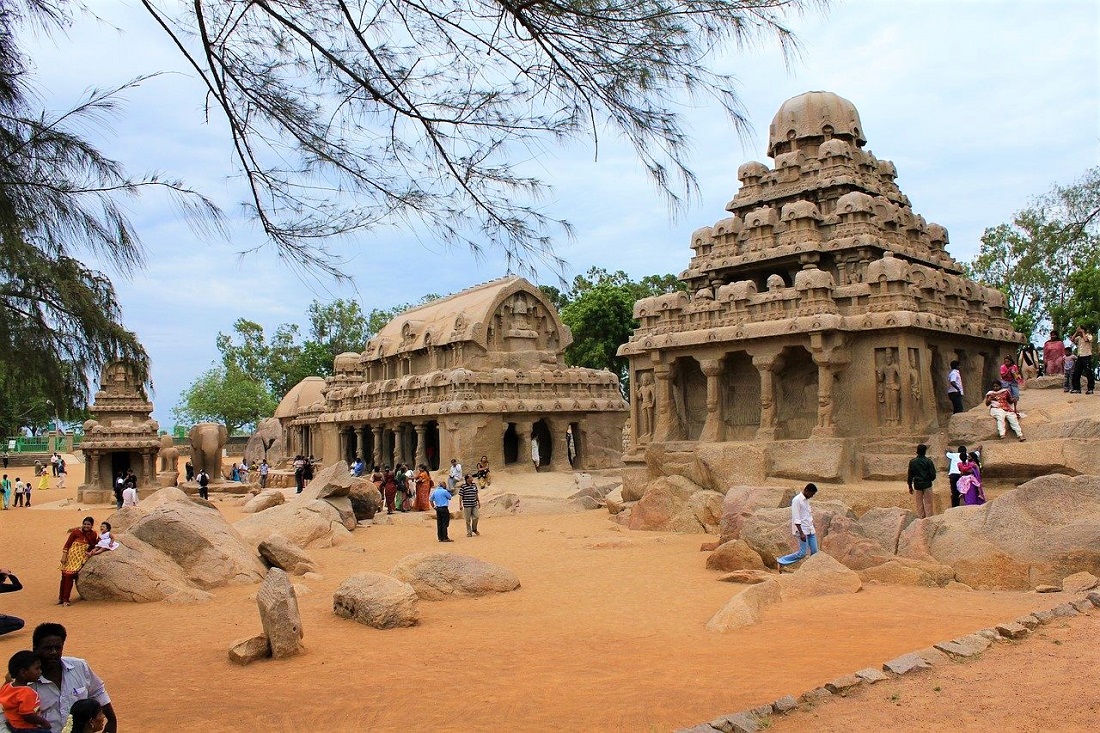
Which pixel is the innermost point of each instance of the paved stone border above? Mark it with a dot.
(964, 647)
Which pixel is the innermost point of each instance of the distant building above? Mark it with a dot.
(481, 372)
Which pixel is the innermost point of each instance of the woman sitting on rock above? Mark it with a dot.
(970, 482)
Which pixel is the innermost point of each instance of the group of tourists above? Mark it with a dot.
(1071, 362)
(19, 493)
(47, 692)
(303, 471)
(402, 488)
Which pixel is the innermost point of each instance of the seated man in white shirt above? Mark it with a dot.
(65, 680)
(129, 496)
(802, 526)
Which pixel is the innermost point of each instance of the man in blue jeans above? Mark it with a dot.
(802, 526)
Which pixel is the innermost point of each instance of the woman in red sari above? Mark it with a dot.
(423, 488)
(73, 556)
(389, 489)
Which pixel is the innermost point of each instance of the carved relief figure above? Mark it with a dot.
(914, 377)
(889, 388)
(647, 402)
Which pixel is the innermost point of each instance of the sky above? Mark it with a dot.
(980, 104)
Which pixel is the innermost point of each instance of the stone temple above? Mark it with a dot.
(823, 311)
(481, 372)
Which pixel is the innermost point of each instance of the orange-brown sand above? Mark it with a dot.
(606, 633)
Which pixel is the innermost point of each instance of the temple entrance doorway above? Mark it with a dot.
(739, 390)
(431, 444)
(511, 445)
(573, 443)
(541, 431)
(689, 398)
(120, 463)
(796, 394)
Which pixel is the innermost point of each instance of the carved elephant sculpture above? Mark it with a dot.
(207, 441)
(169, 454)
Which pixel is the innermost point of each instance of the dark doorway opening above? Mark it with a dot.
(573, 443)
(511, 444)
(120, 463)
(540, 431)
(431, 445)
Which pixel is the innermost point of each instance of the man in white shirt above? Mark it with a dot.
(454, 475)
(65, 680)
(129, 496)
(802, 526)
(955, 387)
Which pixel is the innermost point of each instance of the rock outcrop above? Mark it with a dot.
(279, 552)
(306, 523)
(264, 500)
(676, 504)
(376, 600)
(438, 575)
(735, 555)
(279, 614)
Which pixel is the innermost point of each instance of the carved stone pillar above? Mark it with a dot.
(712, 428)
(377, 457)
(421, 443)
(766, 365)
(662, 375)
(399, 445)
(147, 469)
(523, 435)
(361, 443)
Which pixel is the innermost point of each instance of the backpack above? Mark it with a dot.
(204, 479)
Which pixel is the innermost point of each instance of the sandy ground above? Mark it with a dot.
(607, 633)
(1037, 684)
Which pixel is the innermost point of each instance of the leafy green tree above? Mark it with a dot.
(225, 395)
(61, 202)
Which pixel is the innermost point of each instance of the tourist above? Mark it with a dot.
(802, 526)
(9, 584)
(1054, 353)
(389, 489)
(65, 680)
(86, 716)
(5, 491)
(5, 459)
(410, 488)
(53, 463)
(307, 470)
(74, 554)
(999, 402)
(440, 500)
(1083, 342)
(204, 483)
(955, 387)
(243, 472)
(120, 484)
(471, 502)
(22, 708)
(376, 479)
(1068, 366)
(264, 471)
(129, 496)
(454, 474)
(423, 481)
(401, 479)
(922, 474)
(1010, 379)
(299, 473)
(234, 473)
(1029, 362)
(570, 446)
(357, 467)
(953, 473)
(482, 472)
(22, 495)
(37, 467)
(106, 542)
(535, 458)
(970, 483)
(62, 472)
(27, 491)
(43, 482)
(189, 471)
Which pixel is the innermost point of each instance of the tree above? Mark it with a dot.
(225, 395)
(345, 115)
(60, 320)
(1035, 259)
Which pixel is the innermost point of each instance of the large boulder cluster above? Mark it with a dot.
(321, 516)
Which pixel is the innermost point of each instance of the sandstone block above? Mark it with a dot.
(747, 577)
(264, 500)
(841, 685)
(279, 614)
(905, 664)
(1029, 621)
(735, 555)
(1012, 630)
(1043, 617)
(313, 523)
(964, 647)
(885, 525)
(281, 553)
(1047, 589)
(736, 723)
(870, 675)
(933, 656)
(814, 695)
(1083, 605)
(819, 575)
(785, 704)
(335, 480)
(1065, 610)
(1079, 582)
(1095, 598)
(438, 575)
(744, 609)
(376, 600)
(247, 651)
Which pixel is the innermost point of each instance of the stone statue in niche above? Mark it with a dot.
(889, 387)
(915, 378)
(647, 402)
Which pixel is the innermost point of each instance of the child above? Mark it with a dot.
(85, 716)
(1067, 368)
(20, 702)
(106, 542)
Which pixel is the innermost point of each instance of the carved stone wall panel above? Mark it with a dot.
(796, 394)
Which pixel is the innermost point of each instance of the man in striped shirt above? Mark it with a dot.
(470, 504)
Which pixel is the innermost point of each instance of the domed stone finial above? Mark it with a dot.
(814, 117)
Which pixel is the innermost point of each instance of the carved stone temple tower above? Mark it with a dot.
(822, 310)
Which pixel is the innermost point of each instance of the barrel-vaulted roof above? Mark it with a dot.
(300, 396)
(462, 317)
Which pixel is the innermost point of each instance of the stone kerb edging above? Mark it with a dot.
(964, 647)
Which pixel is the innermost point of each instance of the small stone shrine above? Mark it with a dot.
(823, 310)
(481, 372)
(121, 436)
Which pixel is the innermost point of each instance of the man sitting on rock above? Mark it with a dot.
(999, 402)
(802, 526)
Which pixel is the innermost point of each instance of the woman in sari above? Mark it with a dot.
(970, 482)
(423, 488)
(73, 556)
(389, 489)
